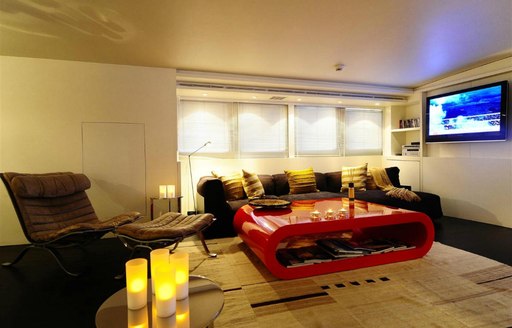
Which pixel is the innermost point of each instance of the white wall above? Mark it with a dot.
(474, 180)
(44, 102)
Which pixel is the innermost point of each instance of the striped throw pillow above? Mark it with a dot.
(252, 185)
(232, 184)
(301, 181)
(355, 174)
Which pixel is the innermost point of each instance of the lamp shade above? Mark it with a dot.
(136, 283)
(180, 261)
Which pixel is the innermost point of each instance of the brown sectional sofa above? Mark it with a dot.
(328, 184)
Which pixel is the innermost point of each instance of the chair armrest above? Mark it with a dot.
(406, 187)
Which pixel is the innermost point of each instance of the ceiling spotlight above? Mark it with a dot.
(339, 67)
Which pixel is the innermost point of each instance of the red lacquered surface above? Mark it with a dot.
(264, 229)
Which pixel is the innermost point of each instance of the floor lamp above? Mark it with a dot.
(191, 179)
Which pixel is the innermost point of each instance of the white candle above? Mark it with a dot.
(165, 290)
(157, 257)
(182, 314)
(136, 283)
(180, 261)
(162, 191)
(171, 191)
(138, 318)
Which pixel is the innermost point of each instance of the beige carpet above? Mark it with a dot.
(446, 288)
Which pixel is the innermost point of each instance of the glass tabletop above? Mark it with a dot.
(204, 304)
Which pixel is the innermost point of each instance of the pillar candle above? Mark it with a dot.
(171, 191)
(180, 261)
(157, 257)
(136, 283)
(165, 290)
(162, 191)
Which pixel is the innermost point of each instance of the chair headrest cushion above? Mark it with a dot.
(49, 186)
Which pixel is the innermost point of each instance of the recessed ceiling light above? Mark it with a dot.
(205, 94)
(377, 104)
(299, 99)
(340, 102)
(254, 97)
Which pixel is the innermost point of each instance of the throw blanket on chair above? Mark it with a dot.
(383, 183)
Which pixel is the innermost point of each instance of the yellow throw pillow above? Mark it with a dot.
(301, 181)
(252, 185)
(232, 184)
(355, 174)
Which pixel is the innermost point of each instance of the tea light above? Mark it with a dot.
(180, 261)
(329, 214)
(165, 290)
(342, 213)
(162, 191)
(138, 318)
(315, 214)
(171, 191)
(136, 283)
(157, 257)
(182, 314)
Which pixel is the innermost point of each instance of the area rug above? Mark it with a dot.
(446, 288)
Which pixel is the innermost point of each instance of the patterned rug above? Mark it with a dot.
(447, 288)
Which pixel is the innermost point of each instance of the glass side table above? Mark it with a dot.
(200, 309)
(160, 206)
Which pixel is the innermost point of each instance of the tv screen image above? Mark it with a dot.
(474, 114)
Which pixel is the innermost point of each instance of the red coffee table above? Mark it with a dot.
(265, 230)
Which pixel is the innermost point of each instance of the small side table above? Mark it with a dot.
(160, 206)
(200, 309)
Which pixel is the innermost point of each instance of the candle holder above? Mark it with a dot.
(157, 257)
(180, 261)
(315, 215)
(342, 213)
(165, 290)
(136, 283)
(329, 214)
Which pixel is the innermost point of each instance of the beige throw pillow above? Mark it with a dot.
(301, 181)
(355, 174)
(252, 185)
(232, 184)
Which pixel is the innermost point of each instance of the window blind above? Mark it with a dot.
(363, 132)
(317, 131)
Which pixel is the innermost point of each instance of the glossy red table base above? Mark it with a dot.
(265, 230)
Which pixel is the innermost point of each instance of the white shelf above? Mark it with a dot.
(404, 158)
(405, 130)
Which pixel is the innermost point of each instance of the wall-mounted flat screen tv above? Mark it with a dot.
(469, 115)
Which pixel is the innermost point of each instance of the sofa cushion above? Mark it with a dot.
(252, 185)
(281, 184)
(312, 195)
(301, 181)
(232, 184)
(393, 175)
(355, 174)
(267, 181)
(333, 181)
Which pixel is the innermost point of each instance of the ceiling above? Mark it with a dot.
(395, 43)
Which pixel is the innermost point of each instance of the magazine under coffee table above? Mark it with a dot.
(271, 232)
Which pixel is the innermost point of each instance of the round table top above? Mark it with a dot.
(203, 305)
